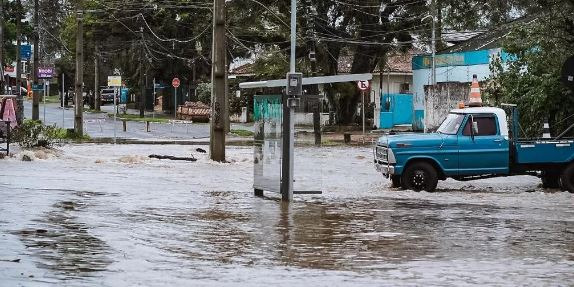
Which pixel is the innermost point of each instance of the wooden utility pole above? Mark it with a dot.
(218, 75)
(97, 95)
(35, 94)
(313, 89)
(20, 97)
(2, 46)
(142, 81)
(78, 94)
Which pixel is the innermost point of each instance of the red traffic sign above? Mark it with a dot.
(363, 85)
(175, 82)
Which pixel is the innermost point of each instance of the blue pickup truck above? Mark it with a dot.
(473, 143)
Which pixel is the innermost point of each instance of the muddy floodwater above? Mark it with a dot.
(99, 215)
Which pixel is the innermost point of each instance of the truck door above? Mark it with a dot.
(482, 150)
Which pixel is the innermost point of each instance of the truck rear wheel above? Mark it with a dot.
(550, 181)
(420, 176)
(568, 178)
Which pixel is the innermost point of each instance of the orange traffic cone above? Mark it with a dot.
(475, 99)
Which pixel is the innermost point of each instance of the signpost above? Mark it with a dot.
(175, 83)
(363, 86)
(46, 93)
(63, 100)
(45, 73)
(116, 82)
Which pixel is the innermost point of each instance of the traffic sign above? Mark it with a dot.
(363, 85)
(175, 82)
(25, 52)
(114, 81)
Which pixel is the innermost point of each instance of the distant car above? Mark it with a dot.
(107, 95)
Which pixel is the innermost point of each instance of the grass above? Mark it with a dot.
(52, 100)
(136, 118)
(65, 134)
(243, 133)
(92, 111)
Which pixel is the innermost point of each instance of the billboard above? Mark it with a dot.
(45, 72)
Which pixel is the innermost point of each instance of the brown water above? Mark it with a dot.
(157, 223)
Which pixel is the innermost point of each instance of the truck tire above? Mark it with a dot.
(550, 181)
(420, 176)
(567, 178)
(395, 181)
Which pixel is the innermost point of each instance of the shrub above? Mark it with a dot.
(34, 134)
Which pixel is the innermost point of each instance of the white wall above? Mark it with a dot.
(462, 74)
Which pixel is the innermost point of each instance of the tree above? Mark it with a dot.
(531, 78)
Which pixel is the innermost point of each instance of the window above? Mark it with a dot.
(451, 124)
(405, 88)
(486, 126)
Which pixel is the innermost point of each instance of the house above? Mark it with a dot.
(455, 67)
(392, 85)
(394, 79)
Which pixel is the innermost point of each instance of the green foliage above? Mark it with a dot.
(531, 78)
(34, 134)
(204, 93)
(272, 65)
(242, 133)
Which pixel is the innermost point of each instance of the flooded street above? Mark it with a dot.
(99, 215)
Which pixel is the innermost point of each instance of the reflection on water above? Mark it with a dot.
(221, 230)
(64, 244)
(370, 235)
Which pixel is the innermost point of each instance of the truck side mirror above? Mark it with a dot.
(473, 127)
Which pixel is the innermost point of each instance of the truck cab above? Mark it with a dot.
(471, 143)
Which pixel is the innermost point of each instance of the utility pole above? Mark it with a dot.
(142, 83)
(20, 97)
(218, 75)
(313, 89)
(2, 46)
(433, 43)
(78, 94)
(35, 94)
(97, 95)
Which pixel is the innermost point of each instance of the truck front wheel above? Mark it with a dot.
(395, 181)
(420, 176)
(568, 178)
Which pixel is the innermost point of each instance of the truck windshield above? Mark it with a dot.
(451, 124)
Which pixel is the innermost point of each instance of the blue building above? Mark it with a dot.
(457, 64)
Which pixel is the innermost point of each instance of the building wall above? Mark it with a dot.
(391, 85)
(441, 100)
(453, 67)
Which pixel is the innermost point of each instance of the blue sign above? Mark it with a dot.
(37, 87)
(25, 52)
(124, 95)
(452, 59)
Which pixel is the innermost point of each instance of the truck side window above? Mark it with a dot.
(486, 126)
